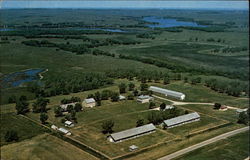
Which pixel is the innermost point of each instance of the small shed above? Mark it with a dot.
(64, 131)
(65, 106)
(169, 107)
(144, 98)
(89, 102)
(69, 124)
(121, 97)
(133, 148)
(54, 127)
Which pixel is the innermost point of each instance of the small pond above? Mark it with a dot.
(18, 78)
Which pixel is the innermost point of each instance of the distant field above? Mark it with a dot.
(24, 128)
(43, 147)
(232, 148)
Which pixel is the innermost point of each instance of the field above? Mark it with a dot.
(24, 127)
(235, 147)
(139, 55)
(43, 147)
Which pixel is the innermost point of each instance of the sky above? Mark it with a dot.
(141, 4)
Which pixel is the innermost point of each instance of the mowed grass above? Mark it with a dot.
(204, 123)
(24, 128)
(232, 148)
(43, 147)
(200, 93)
(229, 115)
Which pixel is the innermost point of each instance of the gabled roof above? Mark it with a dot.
(181, 119)
(63, 130)
(90, 100)
(68, 122)
(133, 132)
(144, 97)
(165, 91)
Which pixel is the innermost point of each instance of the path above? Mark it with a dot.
(204, 143)
(185, 103)
(40, 74)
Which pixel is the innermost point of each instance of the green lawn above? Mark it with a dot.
(43, 147)
(200, 93)
(24, 128)
(232, 148)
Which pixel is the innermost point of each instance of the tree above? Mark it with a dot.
(73, 115)
(140, 122)
(151, 105)
(130, 97)
(243, 118)
(43, 117)
(162, 106)
(105, 94)
(40, 105)
(23, 98)
(98, 98)
(22, 107)
(78, 107)
(12, 99)
(11, 135)
(144, 86)
(166, 80)
(131, 86)
(122, 87)
(135, 92)
(58, 111)
(185, 79)
(217, 106)
(155, 118)
(107, 126)
(114, 97)
(70, 108)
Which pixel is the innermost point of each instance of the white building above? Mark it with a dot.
(69, 124)
(133, 148)
(64, 131)
(89, 102)
(144, 98)
(121, 97)
(65, 106)
(166, 92)
(132, 133)
(54, 127)
(187, 118)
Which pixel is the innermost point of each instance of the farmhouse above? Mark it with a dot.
(89, 102)
(187, 118)
(65, 106)
(132, 133)
(69, 124)
(166, 92)
(64, 131)
(145, 98)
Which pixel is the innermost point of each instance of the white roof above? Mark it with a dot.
(144, 97)
(241, 110)
(122, 97)
(181, 119)
(68, 122)
(169, 107)
(133, 147)
(90, 100)
(63, 130)
(166, 91)
(64, 106)
(133, 132)
(54, 127)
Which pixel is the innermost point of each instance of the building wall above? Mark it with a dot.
(89, 104)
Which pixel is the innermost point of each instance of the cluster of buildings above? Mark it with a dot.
(150, 128)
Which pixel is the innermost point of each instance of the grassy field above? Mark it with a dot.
(200, 93)
(24, 128)
(43, 147)
(233, 148)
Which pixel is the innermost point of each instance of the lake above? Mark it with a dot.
(18, 78)
(168, 22)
